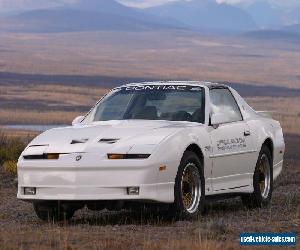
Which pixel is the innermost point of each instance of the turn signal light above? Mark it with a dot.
(162, 168)
(115, 156)
(127, 156)
(52, 156)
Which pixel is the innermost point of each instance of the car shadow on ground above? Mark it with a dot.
(226, 208)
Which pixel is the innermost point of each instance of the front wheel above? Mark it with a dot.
(189, 187)
(262, 181)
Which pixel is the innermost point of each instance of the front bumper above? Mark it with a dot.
(91, 179)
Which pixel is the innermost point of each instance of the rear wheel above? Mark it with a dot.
(53, 211)
(188, 187)
(262, 181)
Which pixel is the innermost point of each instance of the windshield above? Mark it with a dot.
(151, 102)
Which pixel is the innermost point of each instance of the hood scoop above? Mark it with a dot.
(108, 140)
(81, 141)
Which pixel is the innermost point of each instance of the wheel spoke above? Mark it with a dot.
(264, 176)
(190, 188)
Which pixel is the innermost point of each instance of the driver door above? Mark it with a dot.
(232, 144)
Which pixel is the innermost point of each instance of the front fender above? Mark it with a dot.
(170, 151)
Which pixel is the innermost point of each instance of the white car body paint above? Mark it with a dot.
(83, 171)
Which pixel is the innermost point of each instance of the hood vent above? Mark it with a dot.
(108, 140)
(81, 141)
(33, 146)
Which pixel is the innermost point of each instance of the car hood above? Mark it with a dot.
(134, 136)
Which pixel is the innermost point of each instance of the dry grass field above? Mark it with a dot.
(60, 104)
(219, 228)
(161, 55)
(51, 78)
(45, 104)
(284, 109)
(53, 98)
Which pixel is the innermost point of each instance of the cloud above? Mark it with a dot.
(284, 3)
(149, 3)
(232, 1)
(145, 3)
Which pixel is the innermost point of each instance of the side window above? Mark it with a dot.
(222, 101)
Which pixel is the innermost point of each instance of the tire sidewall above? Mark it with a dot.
(182, 213)
(259, 199)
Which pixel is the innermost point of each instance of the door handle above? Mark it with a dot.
(247, 133)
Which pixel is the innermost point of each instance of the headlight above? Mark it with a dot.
(42, 157)
(127, 156)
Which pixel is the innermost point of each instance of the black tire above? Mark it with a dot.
(181, 210)
(53, 211)
(262, 194)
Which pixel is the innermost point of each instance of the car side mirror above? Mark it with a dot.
(218, 118)
(77, 120)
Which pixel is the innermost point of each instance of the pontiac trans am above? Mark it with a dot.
(172, 143)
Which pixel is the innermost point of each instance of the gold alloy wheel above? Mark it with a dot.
(264, 175)
(190, 188)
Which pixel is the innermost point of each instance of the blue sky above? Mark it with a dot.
(20, 4)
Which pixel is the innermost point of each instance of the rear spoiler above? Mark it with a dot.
(267, 114)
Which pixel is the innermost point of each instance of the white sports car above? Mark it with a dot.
(174, 143)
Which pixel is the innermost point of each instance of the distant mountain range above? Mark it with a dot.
(110, 15)
(66, 20)
(291, 33)
(207, 15)
(86, 15)
(265, 15)
(293, 28)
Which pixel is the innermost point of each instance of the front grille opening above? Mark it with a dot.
(42, 157)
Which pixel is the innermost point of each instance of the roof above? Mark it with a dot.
(198, 83)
